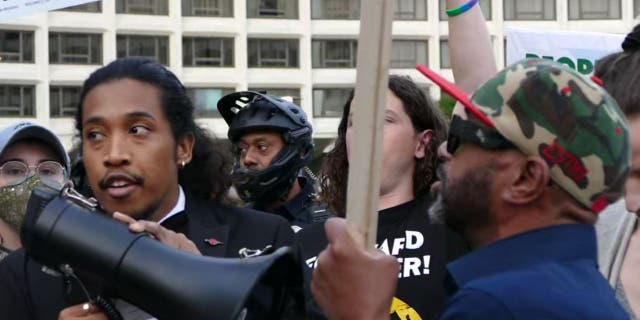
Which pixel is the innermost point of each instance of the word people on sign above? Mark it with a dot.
(584, 66)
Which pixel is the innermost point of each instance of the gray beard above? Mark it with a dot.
(437, 210)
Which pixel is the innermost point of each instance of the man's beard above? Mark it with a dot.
(463, 203)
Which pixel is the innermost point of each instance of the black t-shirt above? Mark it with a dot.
(423, 249)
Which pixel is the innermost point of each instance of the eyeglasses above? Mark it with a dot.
(463, 131)
(50, 172)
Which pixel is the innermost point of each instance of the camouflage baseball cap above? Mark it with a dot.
(551, 111)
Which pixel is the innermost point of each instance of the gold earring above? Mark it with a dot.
(182, 164)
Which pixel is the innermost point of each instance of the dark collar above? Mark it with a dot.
(558, 243)
(296, 207)
(176, 222)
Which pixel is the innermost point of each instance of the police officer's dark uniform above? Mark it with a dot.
(259, 188)
(304, 209)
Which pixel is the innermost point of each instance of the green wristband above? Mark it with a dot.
(461, 9)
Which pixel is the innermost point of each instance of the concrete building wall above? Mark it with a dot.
(240, 77)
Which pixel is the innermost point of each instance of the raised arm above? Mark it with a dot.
(472, 58)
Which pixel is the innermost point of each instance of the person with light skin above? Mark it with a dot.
(469, 41)
(149, 165)
(329, 283)
(30, 155)
(464, 46)
(413, 127)
(517, 183)
(618, 229)
(272, 143)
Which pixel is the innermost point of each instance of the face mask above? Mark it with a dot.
(14, 199)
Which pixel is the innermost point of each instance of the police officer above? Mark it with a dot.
(272, 144)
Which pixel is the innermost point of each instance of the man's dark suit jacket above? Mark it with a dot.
(233, 229)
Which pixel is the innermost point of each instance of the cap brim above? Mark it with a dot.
(456, 93)
(40, 133)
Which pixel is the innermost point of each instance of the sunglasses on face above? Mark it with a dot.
(462, 131)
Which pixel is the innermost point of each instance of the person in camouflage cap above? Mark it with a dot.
(574, 125)
(537, 152)
(533, 156)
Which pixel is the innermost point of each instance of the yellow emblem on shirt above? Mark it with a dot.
(403, 311)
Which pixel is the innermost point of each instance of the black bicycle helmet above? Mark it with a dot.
(249, 111)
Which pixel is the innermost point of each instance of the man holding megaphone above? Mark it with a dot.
(145, 157)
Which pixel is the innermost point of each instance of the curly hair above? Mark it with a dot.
(208, 174)
(423, 114)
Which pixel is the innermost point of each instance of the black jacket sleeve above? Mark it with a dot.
(11, 292)
(28, 292)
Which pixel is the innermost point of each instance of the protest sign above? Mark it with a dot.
(12, 9)
(578, 50)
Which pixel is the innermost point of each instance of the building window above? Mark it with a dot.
(147, 47)
(408, 53)
(75, 48)
(292, 93)
(285, 9)
(329, 102)
(445, 59)
(207, 8)
(335, 9)
(529, 10)
(334, 53)
(410, 9)
(350, 9)
(63, 101)
(594, 9)
(273, 53)
(17, 101)
(88, 7)
(16, 46)
(152, 7)
(485, 5)
(214, 52)
(205, 100)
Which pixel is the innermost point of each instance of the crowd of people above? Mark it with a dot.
(523, 205)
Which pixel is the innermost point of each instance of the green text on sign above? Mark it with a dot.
(584, 66)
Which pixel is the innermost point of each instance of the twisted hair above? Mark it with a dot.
(208, 173)
(423, 114)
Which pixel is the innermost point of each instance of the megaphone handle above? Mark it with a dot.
(104, 304)
(108, 308)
